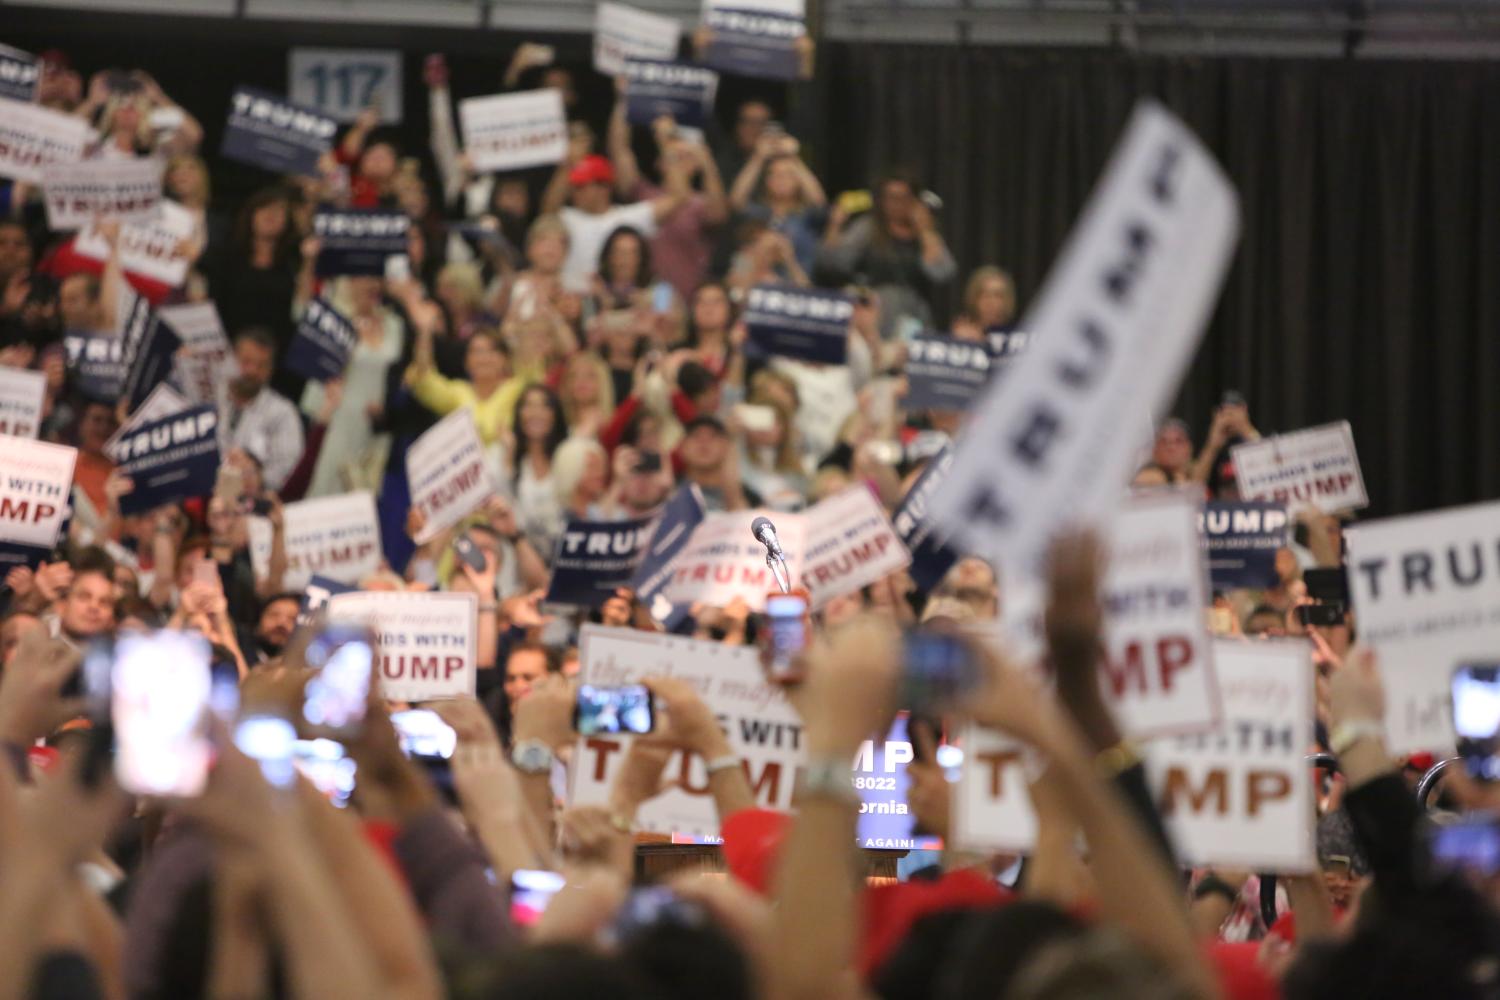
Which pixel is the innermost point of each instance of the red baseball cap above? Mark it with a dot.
(592, 169)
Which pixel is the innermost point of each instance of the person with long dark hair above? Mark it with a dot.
(540, 428)
(253, 280)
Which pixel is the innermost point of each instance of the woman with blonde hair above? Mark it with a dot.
(124, 104)
(770, 456)
(539, 288)
(989, 303)
(460, 288)
(580, 475)
(587, 393)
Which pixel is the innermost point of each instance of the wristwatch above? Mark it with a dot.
(828, 778)
(532, 757)
(1346, 734)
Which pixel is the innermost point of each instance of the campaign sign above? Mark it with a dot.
(945, 373)
(847, 543)
(170, 459)
(804, 323)
(155, 248)
(427, 640)
(681, 90)
(334, 537)
(447, 473)
(622, 32)
(36, 480)
(1158, 670)
(1113, 329)
(33, 138)
(163, 402)
(1242, 540)
(722, 561)
(513, 131)
(96, 362)
(324, 340)
(150, 347)
(1314, 467)
(761, 725)
(19, 74)
(1006, 345)
(22, 393)
(991, 804)
(1241, 796)
(274, 134)
(358, 240)
(1426, 589)
(78, 193)
(316, 595)
(341, 83)
(674, 529)
(931, 559)
(880, 779)
(204, 365)
(753, 43)
(593, 559)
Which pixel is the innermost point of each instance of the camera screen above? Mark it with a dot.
(624, 709)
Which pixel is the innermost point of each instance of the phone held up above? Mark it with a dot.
(787, 626)
(343, 660)
(628, 709)
(1476, 718)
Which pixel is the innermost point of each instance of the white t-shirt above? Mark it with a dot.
(587, 233)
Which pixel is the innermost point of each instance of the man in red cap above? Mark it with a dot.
(586, 179)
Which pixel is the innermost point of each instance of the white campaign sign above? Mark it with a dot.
(427, 640)
(33, 138)
(151, 249)
(622, 32)
(448, 474)
(337, 537)
(204, 365)
(991, 805)
(511, 131)
(763, 728)
(343, 82)
(22, 393)
(848, 543)
(1317, 466)
(723, 560)
(1242, 797)
(78, 193)
(1053, 441)
(1426, 589)
(35, 481)
(786, 8)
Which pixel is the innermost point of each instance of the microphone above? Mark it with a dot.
(765, 533)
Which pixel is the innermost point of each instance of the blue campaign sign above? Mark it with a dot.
(681, 90)
(754, 43)
(1242, 539)
(170, 459)
(593, 559)
(945, 373)
(96, 362)
(931, 558)
(358, 241)
(805, 323)
(150, 346)
(880, 779)
(324, 340)
(270, 132)
(319, 591)
(674, 528)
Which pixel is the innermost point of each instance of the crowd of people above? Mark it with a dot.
(591, 325)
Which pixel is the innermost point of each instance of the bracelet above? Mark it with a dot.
(725, 763)
(1348, 733)
(491, 607)
(829, 778)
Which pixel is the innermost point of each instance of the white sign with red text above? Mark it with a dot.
(512, 131)
(1315, 467)
(848, 543)
(22, 395)
(622, 32)
(762, 727)
(991, 804)
(335, 537)
(723, 561)
(33, 138)
(156, 249)
(427, 640)
(36, 479)
(448, 475)
(78, 193)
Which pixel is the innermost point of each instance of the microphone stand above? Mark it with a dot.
(777, 565)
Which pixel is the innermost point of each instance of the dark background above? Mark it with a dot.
(1367, 283)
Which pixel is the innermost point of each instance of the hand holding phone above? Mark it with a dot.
(787, 628)
(609, 711)
(1476, 718)
(941, 668)
(160, 685)
(336, 696)
(471, 554)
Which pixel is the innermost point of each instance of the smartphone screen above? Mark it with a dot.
(465, 549)
(269, 740)
(612, 710)
(940, 669)
(1320, 615)
(786, 619)
(531, 889)
(423, 733)
(327, 766)
(1476, 718)
(1471, 846)
(335, 696)
(160, 686)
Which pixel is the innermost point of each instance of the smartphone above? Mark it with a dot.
(531, 889)
(328, 767)
(343, 657)
(398, 267)
(423, 733)
(661, 297)
(649, 463)
(940, 669)
(885, 452)
(1472, 846)
(269, 740)
(206, 571)
(755, 418)
(160, 685)
(654, 906)
(260, 507)
(471, 554)
(1233, 397)
(230, 484)
(1327, 585)
(605, 711)
(786, 620)
(1321, 615)
(1476, 718)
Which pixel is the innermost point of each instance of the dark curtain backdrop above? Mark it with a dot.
(1367, 282)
